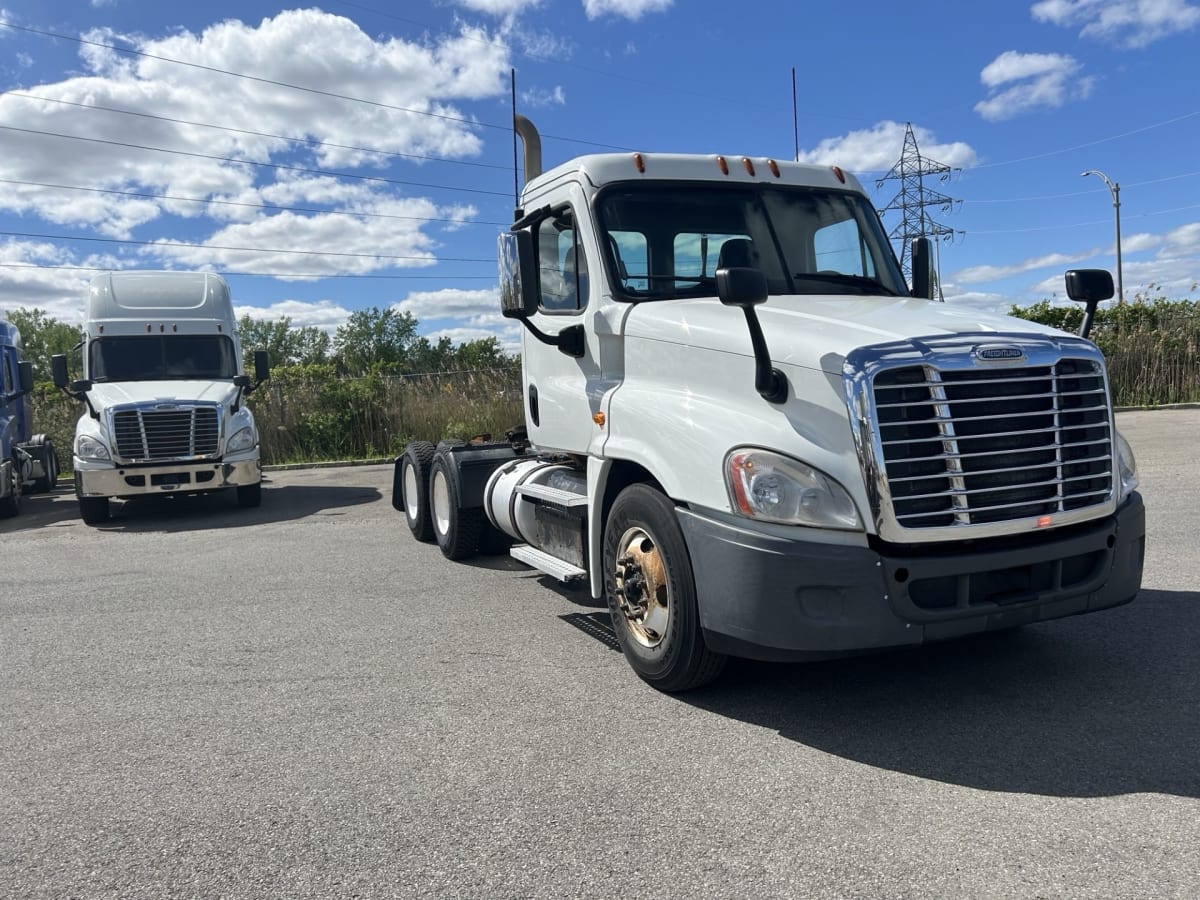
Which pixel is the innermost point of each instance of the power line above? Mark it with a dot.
(311, 142)
(256, 78)
(296, 87)
(170, 244)
(242, 203)
(251, 162)
(311, 275)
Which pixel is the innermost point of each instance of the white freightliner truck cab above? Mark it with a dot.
(747, 433)
(163, 396)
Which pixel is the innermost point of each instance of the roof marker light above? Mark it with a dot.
(639, 163)
(748, 164)
(722, 165)
(774, 167)
(841, 176)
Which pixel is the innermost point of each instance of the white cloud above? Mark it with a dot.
(539, 97)
(304, 47)
(877, 149)
(1129, 23)
(629, 9)
(1041, 80)
(982, 274)
(499, 7)
(451, 303)
(326, 315)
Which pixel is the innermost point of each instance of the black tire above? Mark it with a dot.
(11, 505)
(249, 495)
(456, 530)
(651, 593)
(410, 493)
(93, 510)
(47, 482)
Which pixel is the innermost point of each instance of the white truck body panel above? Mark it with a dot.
(168, 432)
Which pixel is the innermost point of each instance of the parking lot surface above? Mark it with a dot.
(300, 700)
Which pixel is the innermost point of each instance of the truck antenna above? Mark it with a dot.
(795, 120)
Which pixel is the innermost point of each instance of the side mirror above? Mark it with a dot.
(25, 376)
(1089, 287)
(744, 287)
(518, 283)
(922, 268)
(58, 371)
(242, 381)
(262, 367)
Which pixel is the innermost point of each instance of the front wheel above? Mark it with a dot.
(93, 510)
(457, 530)
(249, 495)
(11, 505)
(651, 593)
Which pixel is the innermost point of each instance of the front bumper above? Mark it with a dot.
(765, 596)
(167, 478)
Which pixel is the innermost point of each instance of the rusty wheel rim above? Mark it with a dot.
(642, 589)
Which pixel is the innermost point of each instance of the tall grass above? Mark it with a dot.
(1152, 347)
(308, 414)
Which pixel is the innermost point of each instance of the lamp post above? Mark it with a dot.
(1114, 188)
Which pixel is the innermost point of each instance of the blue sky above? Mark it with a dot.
(355, 154)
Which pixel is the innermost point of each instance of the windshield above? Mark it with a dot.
(163, 357)
(667, 240)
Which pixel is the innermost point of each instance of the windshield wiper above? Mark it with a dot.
(862, 282)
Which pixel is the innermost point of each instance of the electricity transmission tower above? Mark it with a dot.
(914, 200)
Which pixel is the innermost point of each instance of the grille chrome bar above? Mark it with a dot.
(953, 446)
(166, 434)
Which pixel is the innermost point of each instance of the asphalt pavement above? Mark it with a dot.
(302, 701)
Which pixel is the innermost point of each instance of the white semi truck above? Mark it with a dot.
(749, 434)
(164, 409)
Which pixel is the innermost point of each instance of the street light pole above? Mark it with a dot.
(1114, 188)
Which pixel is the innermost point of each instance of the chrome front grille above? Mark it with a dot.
(955, 444)
(146, 435)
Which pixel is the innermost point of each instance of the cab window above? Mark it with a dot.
(562, 266)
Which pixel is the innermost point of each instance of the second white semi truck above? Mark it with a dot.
(749, 434)
(162, 391)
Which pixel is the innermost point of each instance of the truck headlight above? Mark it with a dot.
(243, 439)
(1126, 467)
(774, 488)
(87, 447)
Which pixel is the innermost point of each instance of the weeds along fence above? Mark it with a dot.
(308, 417)
(311, 415)
(1152, 349)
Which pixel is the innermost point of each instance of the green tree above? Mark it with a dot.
(376, 340)
(285, 344)
(42, 337)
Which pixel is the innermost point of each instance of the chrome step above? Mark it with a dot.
(552, 495)
(544, 562)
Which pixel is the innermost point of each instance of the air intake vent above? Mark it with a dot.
(146, 435)
(981, 446)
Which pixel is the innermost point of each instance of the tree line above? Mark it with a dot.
(371, 341)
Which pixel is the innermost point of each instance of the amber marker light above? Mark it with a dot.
(723, 165)
(841, 176)
(748, 164)
(598, 418)
(639, 163)
(743, 470)
(1044, 521)
(774, 167)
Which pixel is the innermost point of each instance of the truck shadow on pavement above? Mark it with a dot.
(1100, 705)
(180, 513)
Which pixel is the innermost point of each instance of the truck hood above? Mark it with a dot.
(108, 394)
(810, 330)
